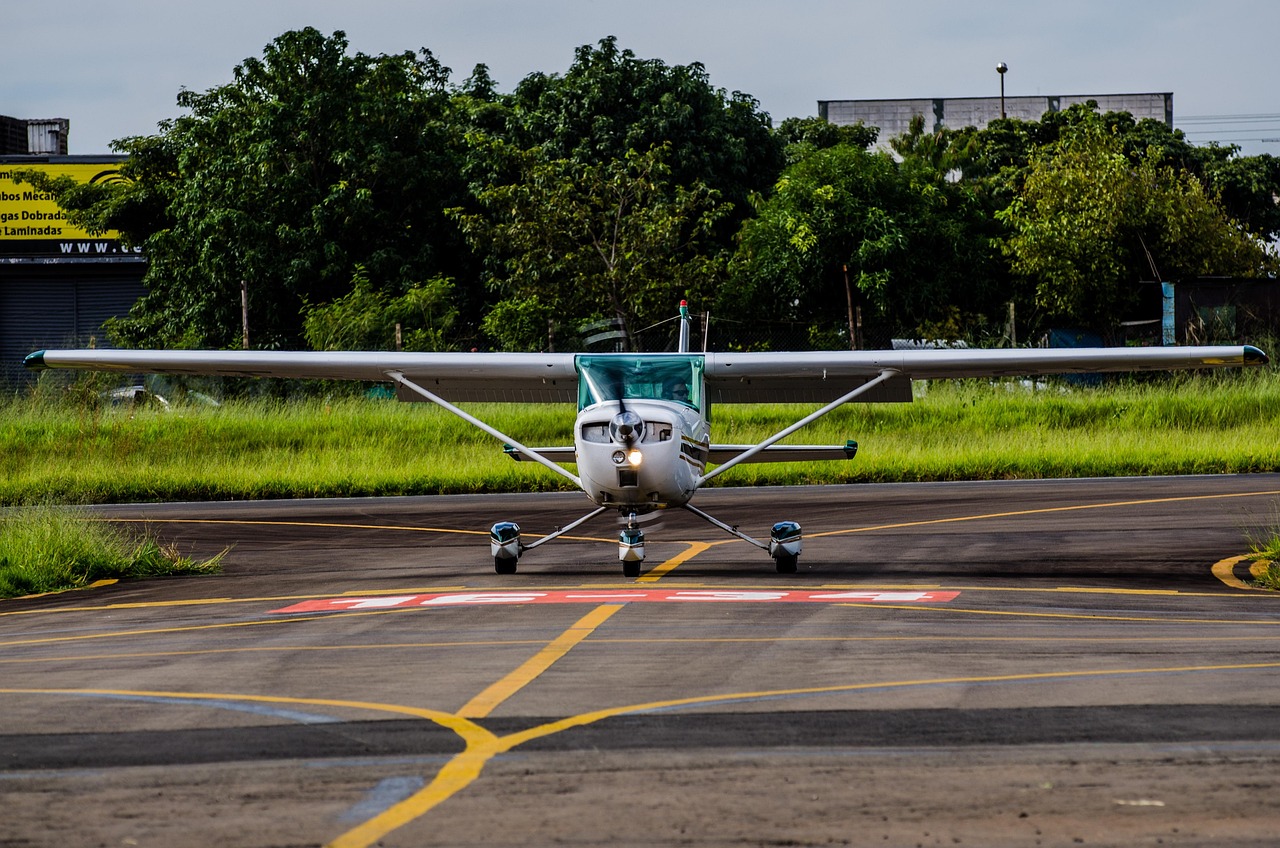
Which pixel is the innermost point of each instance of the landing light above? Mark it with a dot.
(635, 458)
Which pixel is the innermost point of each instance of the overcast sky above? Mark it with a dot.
(114, 69)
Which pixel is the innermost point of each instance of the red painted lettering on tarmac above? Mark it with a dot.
(457, 599)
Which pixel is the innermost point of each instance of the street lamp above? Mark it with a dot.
(1001, 68)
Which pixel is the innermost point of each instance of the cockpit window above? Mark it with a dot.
(669, 377)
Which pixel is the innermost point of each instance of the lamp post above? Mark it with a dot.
(1000, 69)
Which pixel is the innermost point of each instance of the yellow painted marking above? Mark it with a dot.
(468, 765)
(329, 524)
(484, 703)
(1042, 511)
(482, 745)
(266, 622)
(671, 640)
(1224, 570)
(1085, 616)
(50, 640)
(94, 585)
(667, 568)
(664, 569)
(933, 639)
(694, 585)
(659, 571)
(274, 649)
(264, 523)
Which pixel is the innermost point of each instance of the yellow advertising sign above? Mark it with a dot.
(31, 222)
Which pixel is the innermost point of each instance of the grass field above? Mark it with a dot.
(69, 453)
(49, 549)
(67, 449)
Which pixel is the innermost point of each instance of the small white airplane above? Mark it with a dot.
(642, 439)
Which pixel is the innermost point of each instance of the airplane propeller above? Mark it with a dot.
(627, 427)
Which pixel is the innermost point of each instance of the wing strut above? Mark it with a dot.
(733, 531)
(560, 531)
(476, 422)
(808, 419)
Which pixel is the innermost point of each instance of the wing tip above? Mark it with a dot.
(35, 361)
(1255, 356)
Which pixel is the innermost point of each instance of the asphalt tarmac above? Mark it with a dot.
(1001, 663)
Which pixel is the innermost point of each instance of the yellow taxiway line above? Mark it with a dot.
(484, 703)
(482, 745)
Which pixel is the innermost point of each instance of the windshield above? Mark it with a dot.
(670, 377)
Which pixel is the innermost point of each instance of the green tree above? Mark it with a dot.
(942, 150)
(610, 102)
(575, 241)
(370, 319)
(999, 158)
(1090, 223)
(907, 240)
(311, 162)
(1248, 188)
(802, 136)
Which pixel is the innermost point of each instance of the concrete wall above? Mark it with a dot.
(893, 117)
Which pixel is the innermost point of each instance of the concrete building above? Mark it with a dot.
(33, 136)
(893, 117)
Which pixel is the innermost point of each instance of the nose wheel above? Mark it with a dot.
(631, 548)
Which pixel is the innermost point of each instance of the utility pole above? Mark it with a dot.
(853, 323)
(244, 311)
(1001, 69)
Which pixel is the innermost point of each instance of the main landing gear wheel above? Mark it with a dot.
(785, 542)
(504, 546)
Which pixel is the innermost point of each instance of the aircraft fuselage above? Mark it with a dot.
(641, 437)
(653, 466)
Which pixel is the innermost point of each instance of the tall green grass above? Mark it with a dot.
(55, 450)
(48, 549)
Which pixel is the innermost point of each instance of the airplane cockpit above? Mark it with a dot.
(609, 377)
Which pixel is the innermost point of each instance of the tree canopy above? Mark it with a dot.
(1095, 219)
(617, 240)
(847, 224)
(351, 194)
(610, 103)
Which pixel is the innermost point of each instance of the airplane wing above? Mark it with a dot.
(501, 377)
(766, 377)
(823, 376)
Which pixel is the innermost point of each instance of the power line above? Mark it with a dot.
(1216, 133)
(1230, 129)
(1251, 116)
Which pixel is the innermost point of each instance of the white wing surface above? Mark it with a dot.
(822, 376)
(505, 377)
(775, 377)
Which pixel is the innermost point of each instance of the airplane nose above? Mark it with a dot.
(626, 427)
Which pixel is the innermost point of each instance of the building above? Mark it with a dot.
(893, 117)
(33, 136)
(58, 283)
